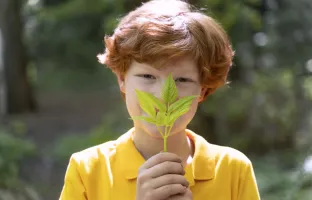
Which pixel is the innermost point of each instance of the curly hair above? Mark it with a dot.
(161, 30)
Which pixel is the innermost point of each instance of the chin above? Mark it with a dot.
(152, 130)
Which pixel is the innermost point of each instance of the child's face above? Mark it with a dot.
(146, 78)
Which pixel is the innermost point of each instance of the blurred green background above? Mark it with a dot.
(56, 99)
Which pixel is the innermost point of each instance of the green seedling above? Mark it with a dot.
(165, 111)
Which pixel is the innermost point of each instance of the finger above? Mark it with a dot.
(160, 158)
(160, 170)
(168, 179)
(165, 168)
(187, 195)
(177, 197)
(166, 191)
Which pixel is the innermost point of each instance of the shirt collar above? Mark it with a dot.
(201, 168)
(129, 157)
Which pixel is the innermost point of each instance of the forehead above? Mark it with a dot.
(186, 64)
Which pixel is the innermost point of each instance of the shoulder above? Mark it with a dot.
(228, 155)
(84, 164)
(102, 154)
(231, 162)
(95, 154)
(220, 154)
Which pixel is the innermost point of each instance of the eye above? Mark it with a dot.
(183, 80)
(146, 76)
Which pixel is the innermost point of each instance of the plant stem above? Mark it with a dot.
(161, 133)
(165, 139)
(166, 135)
(170, 127)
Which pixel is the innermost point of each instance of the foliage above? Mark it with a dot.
(72, 31)
(52, 79)
(277, 183)
(13, 150)
(24, 192)
(165, 111)
(259, 117)
(109, 129)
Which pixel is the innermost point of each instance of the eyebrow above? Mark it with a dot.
(186, 69)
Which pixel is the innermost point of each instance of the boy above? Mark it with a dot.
(159, 38)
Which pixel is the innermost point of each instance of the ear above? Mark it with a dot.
(202, 94)
(121, 82)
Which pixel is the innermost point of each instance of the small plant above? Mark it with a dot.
(165, 111)
(13, 150)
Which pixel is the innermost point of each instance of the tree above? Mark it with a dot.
(18, 91)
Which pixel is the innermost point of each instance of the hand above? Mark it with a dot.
(185, 196)
(161, 177)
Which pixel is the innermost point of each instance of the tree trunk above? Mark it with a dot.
(2, 86)
(18, 91)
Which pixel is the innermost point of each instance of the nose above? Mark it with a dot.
(157, 88)
(157, 91)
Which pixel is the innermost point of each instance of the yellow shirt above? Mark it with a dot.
(108, 172)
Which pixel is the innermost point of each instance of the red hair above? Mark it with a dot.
(161, 30)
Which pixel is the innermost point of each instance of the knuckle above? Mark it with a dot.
(167, 189)
(158, 158)
(173, 187)
(140, 170)
(167, 166)
(176, 168)
(171, 179)
(141, 178)
(149, 195)
(189, 193)
(180, 166)
(145, 186)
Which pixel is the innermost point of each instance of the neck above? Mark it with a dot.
(148, 146)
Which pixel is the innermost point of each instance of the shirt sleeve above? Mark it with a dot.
(248, 189)
(73, 188)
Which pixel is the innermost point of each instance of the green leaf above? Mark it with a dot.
(161, 119)
(156, 102)
(143, 118)
(169, 91)
(178, 113)
(182, 103)
(146, 103)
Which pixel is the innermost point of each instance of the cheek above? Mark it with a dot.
(193, 109)
(132, 102)
(132, 105)
(188, 90)
(187, 117)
